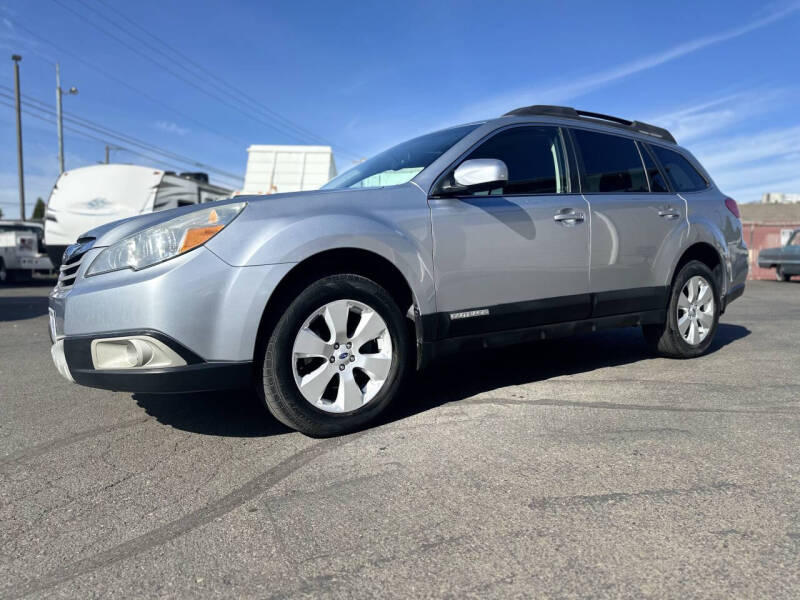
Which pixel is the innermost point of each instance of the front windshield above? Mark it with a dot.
(400, 163)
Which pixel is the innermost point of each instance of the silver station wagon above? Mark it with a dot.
(545, 222)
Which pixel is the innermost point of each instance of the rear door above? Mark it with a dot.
(516, 256)
(634, 219)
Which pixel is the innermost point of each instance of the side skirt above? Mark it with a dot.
(435, 349)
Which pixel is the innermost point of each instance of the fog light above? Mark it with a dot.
(134, 352)
(138, 352)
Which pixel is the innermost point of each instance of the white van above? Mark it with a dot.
(22, 251)
(88, 197)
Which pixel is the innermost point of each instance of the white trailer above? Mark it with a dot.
(88, 197)
(278, 169)
(22, 250)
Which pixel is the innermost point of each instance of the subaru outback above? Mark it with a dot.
(545, 222)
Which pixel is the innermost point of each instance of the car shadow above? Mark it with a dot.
(241, 413)
(445, 381)
(229, 413)
(17, 308)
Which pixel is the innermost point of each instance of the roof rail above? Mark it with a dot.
(567, 112)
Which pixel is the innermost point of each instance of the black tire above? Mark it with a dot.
(4, 273)
(780, 275)
(281, 394)
(665, 338)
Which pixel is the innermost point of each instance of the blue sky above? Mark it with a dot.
(723, 76)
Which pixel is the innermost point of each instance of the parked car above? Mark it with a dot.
(784, 259)
(22, 251)
(544, 222)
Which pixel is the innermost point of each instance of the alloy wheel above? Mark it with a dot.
(342, 356)
(695, 310)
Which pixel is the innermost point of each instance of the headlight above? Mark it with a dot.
(165, 240)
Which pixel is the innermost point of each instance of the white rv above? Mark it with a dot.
(88, 197)
(279, 169)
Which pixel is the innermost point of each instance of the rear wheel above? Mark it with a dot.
(692, 314)
(3, 272)
(337, 357)
(780, 275)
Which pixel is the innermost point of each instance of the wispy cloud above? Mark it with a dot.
(724, 153)
(748, 165)
(171, 127)
(698, 120)
(581, 85)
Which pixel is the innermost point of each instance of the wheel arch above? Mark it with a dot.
(706, 254)
(354, 260)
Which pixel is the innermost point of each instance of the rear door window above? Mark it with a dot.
(680, 172)
(657, 183)
(611, 163)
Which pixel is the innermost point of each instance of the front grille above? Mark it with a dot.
(73, 257)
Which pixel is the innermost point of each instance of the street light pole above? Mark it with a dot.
(59, 118)
(59, 121)
(16, 58)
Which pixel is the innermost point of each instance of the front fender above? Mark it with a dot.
(294, 239)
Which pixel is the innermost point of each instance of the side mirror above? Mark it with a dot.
(478, 175)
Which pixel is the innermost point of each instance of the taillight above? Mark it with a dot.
(733, 207)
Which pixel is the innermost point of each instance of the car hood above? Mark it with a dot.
(110, 233)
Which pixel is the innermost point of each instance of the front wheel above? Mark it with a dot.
(337, 357)
(780, 275)
(692, 314)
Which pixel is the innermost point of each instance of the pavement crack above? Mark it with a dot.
(599, 499)
(43, 448)
(616, 406)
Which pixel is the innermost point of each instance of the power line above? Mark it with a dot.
(158, 160)
(103, 131)
(87, 124)
(84, 135)
(276, 125)
(219, 98)
(133, 88)
(240, 93)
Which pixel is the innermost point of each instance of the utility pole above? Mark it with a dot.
(16, 58)
(73, 90)
(109, 149)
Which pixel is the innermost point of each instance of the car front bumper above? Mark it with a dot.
(202, 309)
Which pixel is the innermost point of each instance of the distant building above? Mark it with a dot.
(279, 169)
(775, 198)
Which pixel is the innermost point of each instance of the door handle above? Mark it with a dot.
(668, 213)
(568, 216)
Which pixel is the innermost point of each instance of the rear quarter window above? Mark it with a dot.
(680, 172)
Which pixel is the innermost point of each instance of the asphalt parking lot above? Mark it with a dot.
(573, 468)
